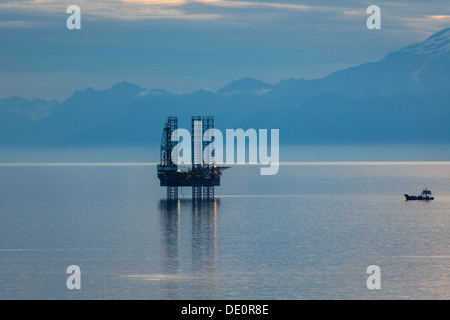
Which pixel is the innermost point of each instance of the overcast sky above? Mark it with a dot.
(182, 45)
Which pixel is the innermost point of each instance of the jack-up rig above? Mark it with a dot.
(203, 175)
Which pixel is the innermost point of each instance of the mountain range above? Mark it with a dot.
(403, 98)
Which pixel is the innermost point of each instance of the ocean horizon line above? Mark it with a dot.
(287, 163)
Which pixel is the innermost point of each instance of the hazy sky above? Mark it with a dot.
(187, 45)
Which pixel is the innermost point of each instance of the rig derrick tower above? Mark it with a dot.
(203, 175)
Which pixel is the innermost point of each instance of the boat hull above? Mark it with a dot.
(408, 197)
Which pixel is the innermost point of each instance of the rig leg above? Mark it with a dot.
(197, 193)
(208, 193)
(172, 193)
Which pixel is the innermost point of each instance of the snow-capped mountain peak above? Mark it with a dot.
(436, 45)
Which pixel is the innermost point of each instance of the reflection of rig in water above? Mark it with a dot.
(189, 235)
(203, 175)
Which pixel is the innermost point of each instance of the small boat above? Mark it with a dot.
(425, 195)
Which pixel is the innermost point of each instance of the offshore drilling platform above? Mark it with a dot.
(203, 175)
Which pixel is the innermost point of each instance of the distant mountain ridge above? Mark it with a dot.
(403, 98)
(246, 86)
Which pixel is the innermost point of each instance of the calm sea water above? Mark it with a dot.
(309, 232)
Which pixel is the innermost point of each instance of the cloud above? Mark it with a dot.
(165, 2)
(237, 4)
(439, 17)
(14, 24)
(352, 12)
(160, 9)
(113, 9)
(231, 11)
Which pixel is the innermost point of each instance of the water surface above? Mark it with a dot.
(308, 232)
